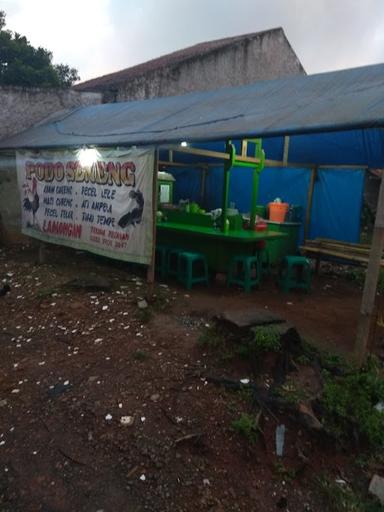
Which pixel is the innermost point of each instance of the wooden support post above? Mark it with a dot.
(151, 267)
(370, 285)
(286, 150)
(41, 254)
(204, 172)
(309, 203)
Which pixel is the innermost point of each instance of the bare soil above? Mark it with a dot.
(73, 362)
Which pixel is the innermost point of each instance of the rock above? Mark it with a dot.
(89, 283)
(155, 397)
(250, 317)
(376, 487)
(3, 403)
(308, 417)
(127, 421)
(142, 304)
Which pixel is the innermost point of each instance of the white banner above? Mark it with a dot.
(96, 200)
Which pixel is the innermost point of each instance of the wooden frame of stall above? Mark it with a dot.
(375, 251)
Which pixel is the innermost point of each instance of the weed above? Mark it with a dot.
(46, 292)
(348, 403)
(266, 339)
(283, 472)
(342, 498)
(212, 337)
(140, 355)
(246, 426)
(144, 315)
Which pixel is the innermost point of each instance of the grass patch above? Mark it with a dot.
(342, 498)
(247, 427)
(348, 405)
(140, 355)
(212, 337)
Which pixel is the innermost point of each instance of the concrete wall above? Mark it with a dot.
(260, 58)
(21, 108)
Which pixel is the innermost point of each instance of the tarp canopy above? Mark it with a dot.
(346, 100)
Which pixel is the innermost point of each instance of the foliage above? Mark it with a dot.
(246, 426)
(348, 404)
(22, 64)
(341, 498)
(140, 355)
(266, 339)
(212, 337)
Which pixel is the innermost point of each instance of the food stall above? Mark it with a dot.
(222, 233)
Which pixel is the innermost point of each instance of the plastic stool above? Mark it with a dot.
(295, 272)
(173, 261)
(240, 272)
(189, 263)
(265, 265)
(161, 260)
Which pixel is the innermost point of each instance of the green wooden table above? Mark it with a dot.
(218, 247)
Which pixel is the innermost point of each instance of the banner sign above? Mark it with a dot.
(96, 200)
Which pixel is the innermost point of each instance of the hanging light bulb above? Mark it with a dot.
(87, 156)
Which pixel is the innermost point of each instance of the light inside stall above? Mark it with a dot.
(87, 156)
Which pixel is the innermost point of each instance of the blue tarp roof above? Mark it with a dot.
(351, 99)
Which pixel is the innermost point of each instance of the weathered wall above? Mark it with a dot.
(21, 108)
(251, 59)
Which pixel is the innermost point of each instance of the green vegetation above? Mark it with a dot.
(140, 355)
(340, 497)
(212, 337)
(349, 401)
(247, 427)
(22, 64)
(266, 339)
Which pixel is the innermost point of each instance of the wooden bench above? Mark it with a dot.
(346, 252)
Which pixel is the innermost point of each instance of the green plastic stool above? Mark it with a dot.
(264, 262)
(173, 261)
(240, 272)
(295, 272)
(192, 269)
(161, 260)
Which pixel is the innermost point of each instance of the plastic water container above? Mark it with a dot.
(278, 211)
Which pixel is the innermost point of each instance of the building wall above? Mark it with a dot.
(21, 108)
(261, 58)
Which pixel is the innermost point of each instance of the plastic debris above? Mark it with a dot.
(376, 487)
(244, 381)
(142, 304)
(127, 421)
(379, 407)
(108, 417)
(280, 437)
(142, 478)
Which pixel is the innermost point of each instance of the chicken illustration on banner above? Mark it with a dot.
(31, 202)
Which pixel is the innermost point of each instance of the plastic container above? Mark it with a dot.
(278, 211)
(261, 226)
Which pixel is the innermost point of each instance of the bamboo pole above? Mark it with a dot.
(151, 266)
(286, 150)
(370, 285)
(309, 202)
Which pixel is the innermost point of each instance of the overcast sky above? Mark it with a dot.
(101, 36)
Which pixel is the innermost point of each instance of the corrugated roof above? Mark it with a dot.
(339, 100)
(174, 58)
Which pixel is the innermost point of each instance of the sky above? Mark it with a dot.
(101, 36)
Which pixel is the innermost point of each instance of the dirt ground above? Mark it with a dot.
(73, 363)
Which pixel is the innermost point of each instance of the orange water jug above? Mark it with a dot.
(278, 211)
